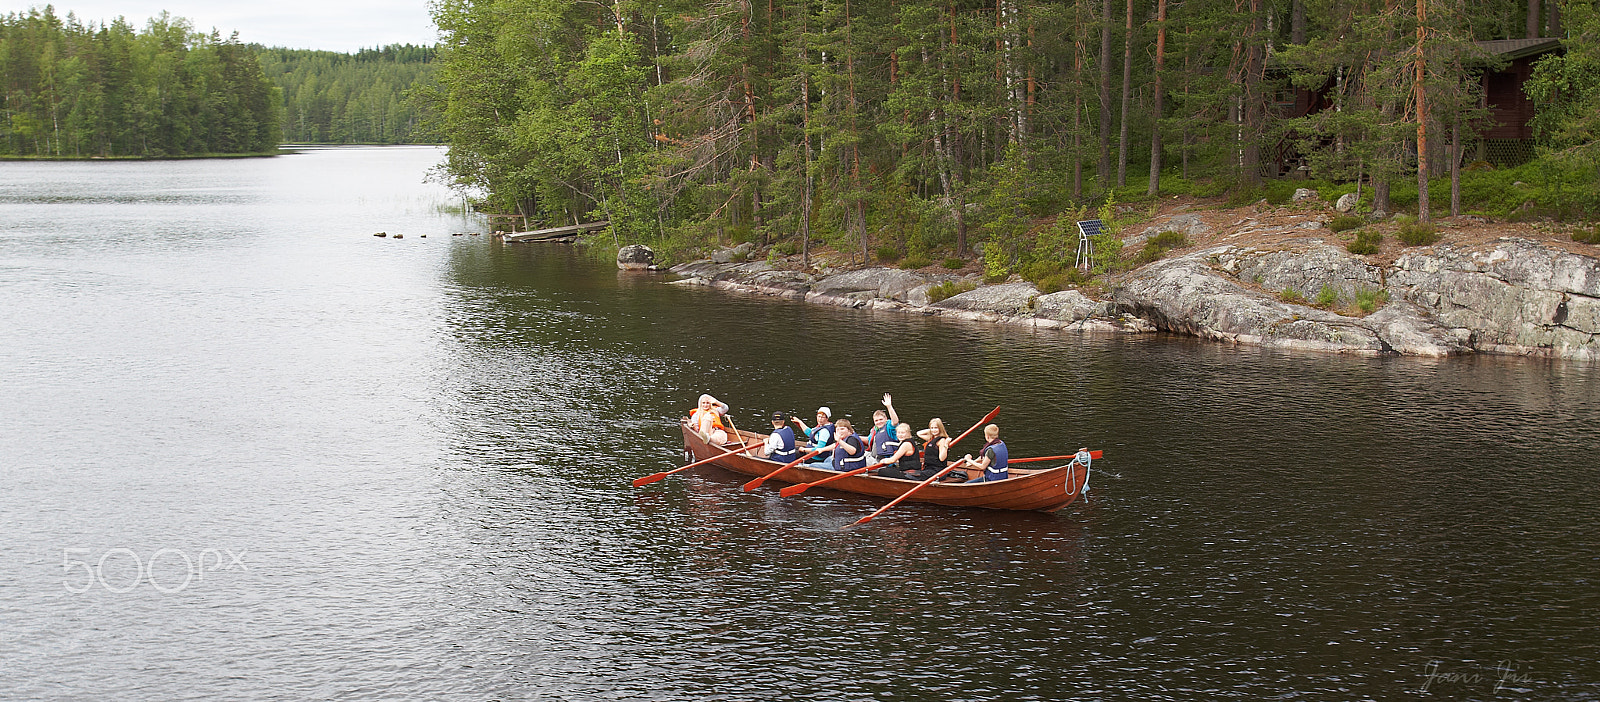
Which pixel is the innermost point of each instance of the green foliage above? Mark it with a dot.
(1291, 296)
(1369, 300)
(1588, 235)
(948, 289)
(1417, 234)
(1169, 240)
(915, 261)
(954, 264)
(1327, 297)
(337, 98)
(888, 254)
(1344, 223)
(1366, 243)
(69, 89)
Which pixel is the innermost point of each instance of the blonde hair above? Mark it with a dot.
(844, 423)
(903, 428)
(937, 425)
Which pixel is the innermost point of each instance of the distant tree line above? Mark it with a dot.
(928, 126)
(69, 89)
(339, 98)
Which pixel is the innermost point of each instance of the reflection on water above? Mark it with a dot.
(423, 449)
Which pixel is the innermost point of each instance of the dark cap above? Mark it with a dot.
(780, 417)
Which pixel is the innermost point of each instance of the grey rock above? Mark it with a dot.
(1303, 194)
(1408, 330)
(1346, 203)
(1518, 296)
(1378, 215)
(1309, 224)
(1007, 300)
(1186, 295)
(891, 283)
(635, 257)
(1072, 306)
(1306, 271)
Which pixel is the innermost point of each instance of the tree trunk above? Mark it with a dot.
(1155, 122)
(1297, 22)
(1127, 91)
(1105, 93)
(1422, 113)
(1533, 19)
(1455, 169)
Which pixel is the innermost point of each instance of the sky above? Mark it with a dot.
(334, 25)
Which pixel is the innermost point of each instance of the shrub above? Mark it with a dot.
(1170, 240)
(1369, 300)
(1587, 236)
(1291, 296)
(1327, 297)
(1366, 243)
(1344, 223)
(888, 254)
(948, 289)
(786, 248)
(1148, 254)
(1417, 234)
(1051, 283)
(915, 261)
(954, 264)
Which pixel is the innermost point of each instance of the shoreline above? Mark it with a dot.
(1491, 289)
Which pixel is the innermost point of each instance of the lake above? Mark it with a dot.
(251, 451)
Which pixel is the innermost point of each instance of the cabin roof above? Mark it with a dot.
(1513, 49)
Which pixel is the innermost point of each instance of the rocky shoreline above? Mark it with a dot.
(1501, 295)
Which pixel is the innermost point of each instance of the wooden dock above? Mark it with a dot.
(557, 233)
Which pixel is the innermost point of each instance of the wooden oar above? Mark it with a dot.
(653, 477)
(793, 490)
(904, 495)
(1092, 454)
(758, 481)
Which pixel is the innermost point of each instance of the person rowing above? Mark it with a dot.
(904, 462)
(781, 446)
(819, 436)
(992, 460)
(849, 453)
(707, 420)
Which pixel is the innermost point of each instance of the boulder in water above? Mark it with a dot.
(636, 257)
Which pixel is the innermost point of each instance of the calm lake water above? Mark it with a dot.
(250, 451)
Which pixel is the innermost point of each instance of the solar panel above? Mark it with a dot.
(1089, 227)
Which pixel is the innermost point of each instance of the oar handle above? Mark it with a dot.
(758, 481)
(931, 479)
(1092, 454)
(793, 490)
(653, 477)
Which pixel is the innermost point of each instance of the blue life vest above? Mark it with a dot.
(821, 436)
(843, 461)
(788, 452)
(883, 442)
(997, 470)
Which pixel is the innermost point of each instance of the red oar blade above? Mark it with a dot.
(646, 480)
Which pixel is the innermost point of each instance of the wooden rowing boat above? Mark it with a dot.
(1042, 489)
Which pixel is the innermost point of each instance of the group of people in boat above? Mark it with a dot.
(889, 448)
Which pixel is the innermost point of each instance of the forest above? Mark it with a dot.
(916, 128)
(339, 98)
(69, 89)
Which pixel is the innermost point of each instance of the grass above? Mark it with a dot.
(915, 261)
(1344, 223)
(1418, 234)
(1369, 300)
(1157, 246)
(1366, 243)
(1326, 297)
(1291, 296)
(954, 264)
(948, 289)
(888, 254)
(1587, 236)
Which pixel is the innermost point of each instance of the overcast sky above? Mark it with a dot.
(335, 25)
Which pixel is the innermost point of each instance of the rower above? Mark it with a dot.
(820, 436)
(707, 420)
(849, 453)
(781, 445)
(992, 460)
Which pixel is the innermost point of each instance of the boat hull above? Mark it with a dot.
(1044, 490)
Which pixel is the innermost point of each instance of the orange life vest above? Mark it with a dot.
(716, 419)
